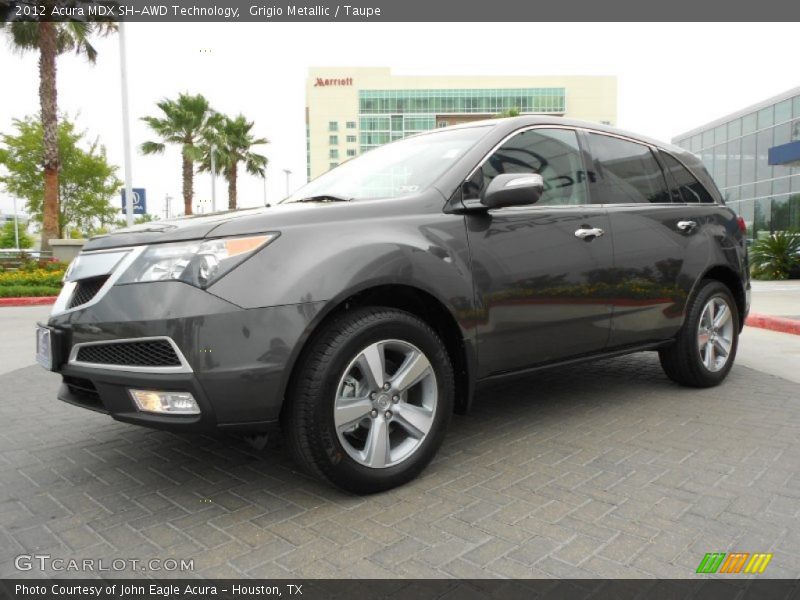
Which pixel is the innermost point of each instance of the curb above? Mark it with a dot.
(781, 324)
(30, 301)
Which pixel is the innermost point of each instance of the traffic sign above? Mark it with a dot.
(139, 201)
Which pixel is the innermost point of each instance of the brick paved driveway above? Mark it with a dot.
(600, 470)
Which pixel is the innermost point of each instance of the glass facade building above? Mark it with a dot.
(735, 151)
(388, 115)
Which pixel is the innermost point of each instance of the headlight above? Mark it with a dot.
(199, 263)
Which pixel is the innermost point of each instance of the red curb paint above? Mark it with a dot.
(781, 324)
(35, 301)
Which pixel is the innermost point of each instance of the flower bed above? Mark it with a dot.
(35, 279)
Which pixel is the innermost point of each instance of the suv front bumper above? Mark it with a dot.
(234, 361)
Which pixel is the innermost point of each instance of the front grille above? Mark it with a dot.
(151, 353)
(86, 289)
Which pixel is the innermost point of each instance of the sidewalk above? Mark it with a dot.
(19, 342)
(776, 306)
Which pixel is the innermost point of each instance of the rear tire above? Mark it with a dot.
(705, 347)
(370, 401)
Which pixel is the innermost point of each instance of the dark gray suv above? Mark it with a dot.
(362, 311)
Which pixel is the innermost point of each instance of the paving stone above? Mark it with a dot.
(439, 554)
(532, 550)
(577, 550)
(637, 479)
(268, 551)
(398, 552)
(623, 548)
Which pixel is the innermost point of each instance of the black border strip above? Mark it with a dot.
(739, 588)
(441, 11)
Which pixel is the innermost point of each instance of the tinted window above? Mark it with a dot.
(552, 153)
(627, 172)
(688, 189)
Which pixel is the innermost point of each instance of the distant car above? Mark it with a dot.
(360, 312)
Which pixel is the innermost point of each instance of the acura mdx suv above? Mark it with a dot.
(362, 311)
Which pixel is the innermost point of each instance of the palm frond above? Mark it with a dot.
(192, 152)
(24, 35)
(233, 142)
(70, 35)
(152, 148)
(776, 256)
(255, 164)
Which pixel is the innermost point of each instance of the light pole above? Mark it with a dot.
(167, 201)
(213, 178)
(126, 130)
(264, 180)
(16, 225)
(288, 173)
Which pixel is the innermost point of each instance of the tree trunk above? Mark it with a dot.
(188, 184)
(49, 107)
(232, 187)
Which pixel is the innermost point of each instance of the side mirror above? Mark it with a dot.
(513, 189)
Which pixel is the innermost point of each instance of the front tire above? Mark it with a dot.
(705, 348)
(371, 400)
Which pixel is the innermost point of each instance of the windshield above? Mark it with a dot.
(398, 169)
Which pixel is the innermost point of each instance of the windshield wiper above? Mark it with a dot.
(324, 198)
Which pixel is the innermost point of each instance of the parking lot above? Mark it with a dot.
(600, 470)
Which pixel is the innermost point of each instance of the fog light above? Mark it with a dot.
(174, 403)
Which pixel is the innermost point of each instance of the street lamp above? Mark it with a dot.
(288, 173)
(126, 130)
(213, 178)
(16, 225)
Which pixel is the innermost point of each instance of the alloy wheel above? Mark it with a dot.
(385, 403)
(715, 334)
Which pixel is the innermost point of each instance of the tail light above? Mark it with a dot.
(742, 225)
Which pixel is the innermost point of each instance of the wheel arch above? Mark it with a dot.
(733, 282)
(416, 301)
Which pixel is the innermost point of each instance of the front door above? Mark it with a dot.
(539, 269)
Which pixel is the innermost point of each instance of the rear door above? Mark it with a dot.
(536, 267)
(648, 285)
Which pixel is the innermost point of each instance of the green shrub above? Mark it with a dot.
(20, 291)
(47, 264)
(775, 257)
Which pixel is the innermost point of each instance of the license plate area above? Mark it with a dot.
(44, 347)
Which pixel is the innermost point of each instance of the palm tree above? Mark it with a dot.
(52, 39)
(232, 141)
(185, 122)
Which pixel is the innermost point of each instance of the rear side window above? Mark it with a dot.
(687, 188)
(627, 172)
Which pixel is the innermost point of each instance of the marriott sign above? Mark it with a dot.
(340, 82)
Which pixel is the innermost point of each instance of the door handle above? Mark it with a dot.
(687, 225)
(589, 233)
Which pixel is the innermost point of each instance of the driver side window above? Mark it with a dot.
(552, 153)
